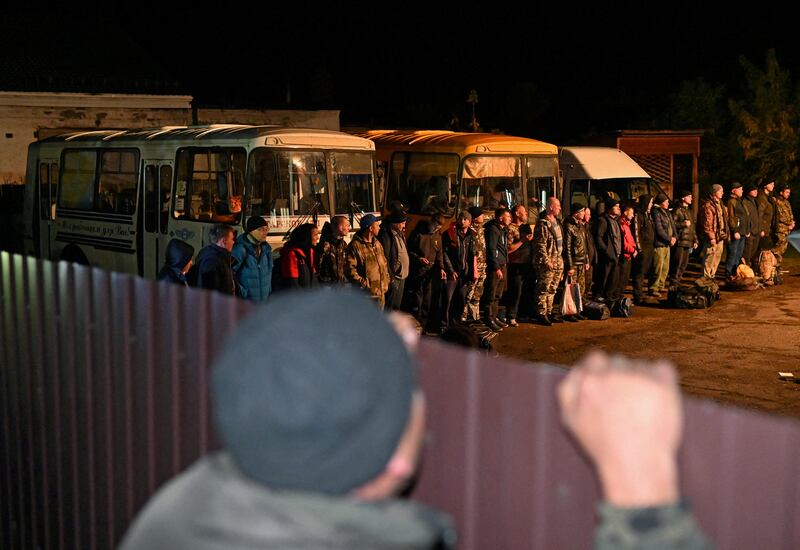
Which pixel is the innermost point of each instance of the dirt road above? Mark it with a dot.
(731, 352)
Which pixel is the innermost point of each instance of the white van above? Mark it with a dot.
(592, 174)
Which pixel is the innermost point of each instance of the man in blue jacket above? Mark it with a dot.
(253, 256)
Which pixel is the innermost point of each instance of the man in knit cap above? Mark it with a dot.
(750, 202)
(686, 235)
(738, 229)
(253, 265)
(317, 440)
(665, 238)
(712, 229)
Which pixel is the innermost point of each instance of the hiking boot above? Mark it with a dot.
(544, 320)
(513, 323)
(580, 317)
(570, 319)
(503, 324)
(556, 319)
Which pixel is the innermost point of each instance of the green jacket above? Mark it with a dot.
(783, 216)
(213, 506)
(367, 267)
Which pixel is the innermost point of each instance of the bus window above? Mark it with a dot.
(44, 191)
(352, 181)
(302, 184)
(491, 182)
(77, 180)
(381, 169)
(540, 181)
(210, 184)
(165, 188)
(151, 206)
(117, 189)
(263, 184)
(424, 182)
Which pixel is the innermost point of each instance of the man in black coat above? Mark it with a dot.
(496, 263)
(609, 247)
(214, 269)
(644, 234)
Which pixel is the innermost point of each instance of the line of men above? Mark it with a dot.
(467, 271)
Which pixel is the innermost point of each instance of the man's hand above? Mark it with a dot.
(571, 272)
(425, 261)
(627, 416)
(499, 274)
(713, 242)
(454, 276)
(672, 241)
(736, 236)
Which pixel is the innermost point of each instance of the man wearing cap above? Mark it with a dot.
(665, 238)
(784, 221)
(591, 253)
(686, 234)
(253, 265)
(393, 241)
(738, 229)
(766, 212)
(712, 224)
(316, 440)
(750, 202)
(475, 291)
(496, 264)
(366, 263)
(609, 248)
(576, 258)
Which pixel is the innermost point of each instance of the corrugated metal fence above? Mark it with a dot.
(103, 397)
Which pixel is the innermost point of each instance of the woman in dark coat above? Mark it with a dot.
(178, 260)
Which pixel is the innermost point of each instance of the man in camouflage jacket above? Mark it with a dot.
(784, 221)
(576, 257)
(548, 247)
(475, 291)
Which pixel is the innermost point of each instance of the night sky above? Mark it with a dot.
(556, 72)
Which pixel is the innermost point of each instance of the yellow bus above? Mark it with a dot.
(114, 198)
(440, 171)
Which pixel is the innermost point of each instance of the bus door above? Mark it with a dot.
(47, 194)
(157, 191)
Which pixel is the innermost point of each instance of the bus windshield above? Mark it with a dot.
(491, 182)
(352, 182)
(540, 180)
(284, 183)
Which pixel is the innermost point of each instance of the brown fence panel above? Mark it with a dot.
(103, 397)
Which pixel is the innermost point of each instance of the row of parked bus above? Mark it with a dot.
(114, 199)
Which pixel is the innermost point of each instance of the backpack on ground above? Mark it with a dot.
(686, 297)
(709, 288)
(622, 307)
(595, 311)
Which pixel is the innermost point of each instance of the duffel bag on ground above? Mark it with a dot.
(709, 288)
(595, 311)
(686, 297)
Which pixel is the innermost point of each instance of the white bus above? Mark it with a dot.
(114, 199)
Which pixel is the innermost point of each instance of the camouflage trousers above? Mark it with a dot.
(472, 311)
(579, 278)
(547, 282)
(780, 247)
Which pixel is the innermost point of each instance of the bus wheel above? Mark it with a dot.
(74, 255)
